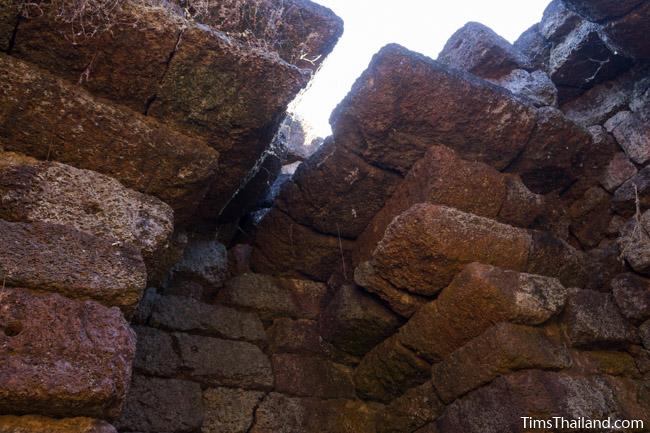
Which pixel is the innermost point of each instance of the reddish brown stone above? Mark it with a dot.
(417, 407)
(501, 349)
(59, 259)
(302, 32)
(479, 297)
(62, 357)
(311, 376)
(632, 133)
(295, 336)
(282, 246)
(49, 119)
(632, 295)
(231, 94)
(405, 102)
(39, 424)
(82, 199)
(477, 49)
(591, 216)
(619, 170)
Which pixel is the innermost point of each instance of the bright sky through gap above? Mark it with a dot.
(419, 25)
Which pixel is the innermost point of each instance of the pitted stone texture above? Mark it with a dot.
(295, 336)
(599, 103)
(214, 361)
(558, 21)
(82, 199)
(532, 44)
(548, 161)
(535, 86)
(229, 410)
(598, 10)
(426, 246)
(632, 295)
(39, 424)
(502, 349)
(50, 119)
(644, 331)
(477, 49)
(541, 395)
(161, 406)
(406, 102)
(584, 59)
(634, 243)
(336, 192)
(306, 35)
(204, 261)
(177, 313)
(417, 407)
(284, 247)
(282, 414)
(556, 258)
(635, 188)
(274, 297)
(355, 322)
(311, 376)
(233, 95)
(62, 357)
(389, 370)
(155, 354)
(627, 32)
(633, 135)
(619, 170)
(59, 259)
(479, 297)
(593, 320)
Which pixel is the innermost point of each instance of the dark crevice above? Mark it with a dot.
(14, 35)
(168, 62)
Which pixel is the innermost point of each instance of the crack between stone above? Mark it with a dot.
(149, 102)
(255, 409)
(14, 34)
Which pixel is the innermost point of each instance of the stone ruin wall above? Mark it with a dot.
(470, 246)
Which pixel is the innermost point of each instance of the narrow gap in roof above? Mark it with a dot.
(421, 26)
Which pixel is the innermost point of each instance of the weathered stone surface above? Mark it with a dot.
(62, 357)
(612, 362)
(282, 414)
(477, 49)
(632, 295)
(521, 207)
(584, 59)
(282, 246)
(295, 336)
(417, 407)
(222, 362)
(644, 331)
(619, 170)
(426, 246)
(635, 188)
(406, 102)
(189, 315)
(479, 297)
(56, 258)
(548, 161)
(229, 410)
(49, 119)
(558, 21)
(335, 192)
(39, 424)
(125, 64)
(556, 258)
(532, 44)
(632, 133)
(537, 87)
(635, 243)
(542, 395)
(8, 22)
(155, 354)
(204, 261)
(599, 103)
(440, 177)
(88, 201)
(302, 32)
(311, 376)
(355, 322)
(389, 370)
(591, 216)
(627, 32)
(233, 95)
(594, 320)
(598, 10)
(501, 349)
(161, 405)
(274, 297)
